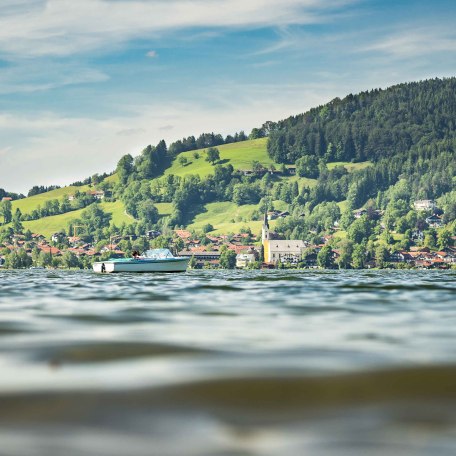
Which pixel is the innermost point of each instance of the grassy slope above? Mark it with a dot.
(225, 217)
(350, 167)
(49, 225)
(240, 155)
(164, 208)
(27, 205)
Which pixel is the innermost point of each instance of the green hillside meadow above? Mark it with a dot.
(49, 225)
(240, 155)
(27, 205)
(225, 217)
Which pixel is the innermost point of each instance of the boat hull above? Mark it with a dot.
(168, 265)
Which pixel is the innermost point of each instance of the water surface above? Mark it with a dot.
(228, 363)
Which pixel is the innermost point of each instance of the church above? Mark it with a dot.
(276, 251)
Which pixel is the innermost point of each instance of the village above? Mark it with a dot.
(245, 251)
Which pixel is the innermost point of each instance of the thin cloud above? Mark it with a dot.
(415, 42)
(29, 77)
(66, 27)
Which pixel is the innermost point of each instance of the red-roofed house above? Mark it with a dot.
(49, 249)
(183, 234)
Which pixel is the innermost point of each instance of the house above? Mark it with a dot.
(110, 248)
(291, 170)
(425, 205)
(201, 255)
(71, 197)
(203, 258)
(417, 236)
(241, 248)
(359, 213)
(246, 172)
(97, 194)
(192, 243)
(57, 237)
(54, 251)
(434, 221)
(152, 234)
(273, 215)
(398, 257)
(7, 198)
(74, 240)
(183, 234)
(243, 260)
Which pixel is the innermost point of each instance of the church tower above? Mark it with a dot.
(265, 238)
(265, 229)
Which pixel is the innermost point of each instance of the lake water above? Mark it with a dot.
(228, 363)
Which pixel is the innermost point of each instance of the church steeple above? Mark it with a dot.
(266, 223)
(265, 229)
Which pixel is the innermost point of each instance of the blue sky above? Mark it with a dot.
(82, 83)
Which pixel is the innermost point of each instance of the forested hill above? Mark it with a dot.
(379, 151)
(371, 125)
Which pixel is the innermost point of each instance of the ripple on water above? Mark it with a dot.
(228, 362)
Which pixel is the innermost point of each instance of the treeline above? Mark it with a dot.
(153, 160)
(38, 189)
(13, 196)
(371, 125)
(204, 141)
(59, 206)
(92, 180)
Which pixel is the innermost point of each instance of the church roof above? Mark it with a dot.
(286, 246)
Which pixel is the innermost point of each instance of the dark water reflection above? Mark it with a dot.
(228, 363)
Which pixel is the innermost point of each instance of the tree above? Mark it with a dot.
(207, 228)
(182, 160)
(307, 166)
(196, 155)
(359, 256)
(6, 211)
(430, 239)
(347, 217)
(18, 259)
(444, 239)
(324, 257)
(212, 155)
(360, 230)
(381, 256)
(70, 260)
(148, 212)
(346, 252)
(228, 259)
(257, 133)
(45, 259)
(192, 262)
(124, 168)
(257, 167)
(246, 194)
(17, 225)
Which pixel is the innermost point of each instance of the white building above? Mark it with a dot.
(243, 260)
(275, 251)
(425, 205)
(286, 251)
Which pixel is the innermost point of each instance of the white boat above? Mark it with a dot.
(158, 260)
